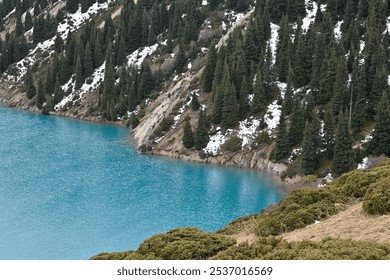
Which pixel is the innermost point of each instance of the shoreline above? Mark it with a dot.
(12, 97)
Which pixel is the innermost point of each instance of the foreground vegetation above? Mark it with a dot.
(298, 209)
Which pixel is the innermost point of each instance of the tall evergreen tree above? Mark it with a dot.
(282, 149)
(29, 84)
(343, 159)
(201, 137)
(40, 96)
(188, 137)
(311, 146)
(379, 144)
(230, 106)
(208, 73)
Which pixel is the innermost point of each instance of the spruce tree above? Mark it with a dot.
(343, 159)
(328, 133)
(259, 95)
(243, 104)
(282, 146)
(230, 107)
(72, 6)
(380, 143)
(88, 63)
(40, 96)
(79, 74)
(188, 137)
(29, 84)
(208, 73)
(295, 132)
(195, 105)
(311, 146)
(201, 135)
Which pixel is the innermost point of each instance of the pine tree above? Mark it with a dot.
(295, 132)
(40, 99)
(208, 73)
(343, 159)
(201, 135)
(243, 104)
(195, 105)
(379, 144)
(328, 131)
(72, 6)
(288, 95)
(311, 146)
(282, 146)
(230, 107)
(19, 29)
(180, 61)
(88, 63)
(259, 97)
(79, 73)
(188, 137)
(29, 84)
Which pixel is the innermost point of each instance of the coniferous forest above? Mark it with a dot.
(327, 74)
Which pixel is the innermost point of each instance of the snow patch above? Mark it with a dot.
(274, 40)
(272, 117)
(136, 58)
(295, 152)
(363, 164)
(337, 30)
(311, 11)
(205, 2)
(216, 141)
(247, 130)
(368, 137)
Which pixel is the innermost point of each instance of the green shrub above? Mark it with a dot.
(377, 199)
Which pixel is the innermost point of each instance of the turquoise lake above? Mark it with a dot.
(71, 189)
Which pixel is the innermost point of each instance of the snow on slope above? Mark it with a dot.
(138, 56)
(71, 23)
(311, 11)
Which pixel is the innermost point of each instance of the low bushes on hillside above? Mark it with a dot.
(377, 199)
(328, 249)
(177, 244)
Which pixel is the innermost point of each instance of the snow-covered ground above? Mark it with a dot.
(216, 141)
(363, 164)
(337, 30)
(138, 56)
(272, 117)
(274, 40)
(310, 15)
(368, 137)
(248, 130)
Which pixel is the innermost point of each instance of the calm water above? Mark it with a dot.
(72, 189)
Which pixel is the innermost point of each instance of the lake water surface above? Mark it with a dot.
(71, 189)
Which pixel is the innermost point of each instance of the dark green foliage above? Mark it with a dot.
(259, 95)
(72, 6)
(181, 60)
(295, 132)
(282, 148)
(343, 159)
(195, 105)
(29, 84)
(230, 107)
(311, 146)
(377, 199)
(380, 143)
(201, 137)
(188, 137)
(40, 96)
(208, 73)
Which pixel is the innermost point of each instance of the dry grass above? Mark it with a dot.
(353, 223)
